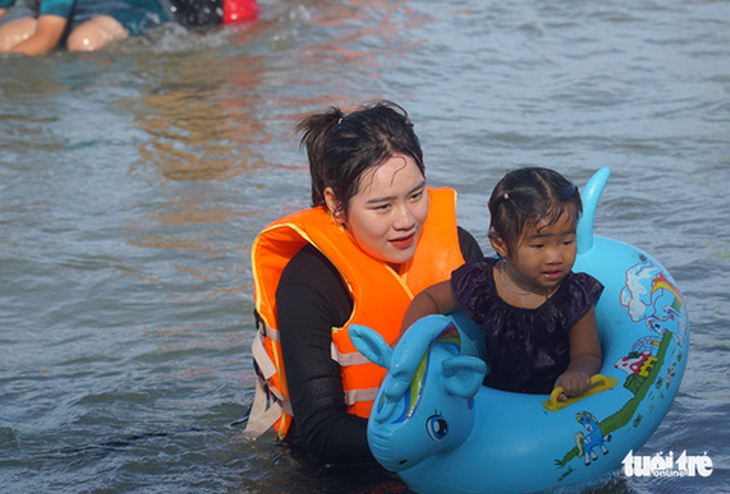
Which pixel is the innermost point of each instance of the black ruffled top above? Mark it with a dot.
(527, 349)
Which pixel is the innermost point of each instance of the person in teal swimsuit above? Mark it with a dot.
(82, 25)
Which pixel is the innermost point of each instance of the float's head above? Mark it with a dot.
(425, 405)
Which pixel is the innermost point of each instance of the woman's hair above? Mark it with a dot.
(341, 147)
(527, 196)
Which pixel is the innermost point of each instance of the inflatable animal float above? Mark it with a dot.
(442, 431)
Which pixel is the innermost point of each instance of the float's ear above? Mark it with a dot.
(464, 375)
(371, 344)
(414, 344)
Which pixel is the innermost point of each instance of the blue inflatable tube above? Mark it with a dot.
(442, 431)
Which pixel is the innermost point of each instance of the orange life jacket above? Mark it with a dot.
(380, 298)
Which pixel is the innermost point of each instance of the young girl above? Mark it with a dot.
(538, 315)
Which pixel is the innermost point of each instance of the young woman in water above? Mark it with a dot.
(375, 236)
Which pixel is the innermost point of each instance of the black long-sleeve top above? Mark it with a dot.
(316, 299)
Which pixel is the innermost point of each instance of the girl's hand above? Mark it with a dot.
(574, 383)
(586, 357)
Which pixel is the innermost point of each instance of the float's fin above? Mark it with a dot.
(591, 194)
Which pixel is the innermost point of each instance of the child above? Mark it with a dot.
(538, 315)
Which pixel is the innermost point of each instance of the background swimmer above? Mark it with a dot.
(80, 25)
(87, 25)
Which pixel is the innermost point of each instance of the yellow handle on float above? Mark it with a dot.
(599, 384)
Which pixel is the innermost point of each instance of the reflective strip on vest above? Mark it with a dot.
(347, 359)
(355, 395)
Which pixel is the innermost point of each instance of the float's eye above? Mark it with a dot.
(437, 427)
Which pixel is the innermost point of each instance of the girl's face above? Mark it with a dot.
(544, 255)
(385, 217)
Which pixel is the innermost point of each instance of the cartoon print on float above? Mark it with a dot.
(642, 357)
(592, 438)
(648, 296)
(647, 288)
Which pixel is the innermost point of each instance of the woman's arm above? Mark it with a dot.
(312, 299)
(585, 357)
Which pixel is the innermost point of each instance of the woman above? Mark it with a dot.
(375, 237)
(82, 25)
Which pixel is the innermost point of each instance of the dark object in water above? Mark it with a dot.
(197, 13)
(205, 14)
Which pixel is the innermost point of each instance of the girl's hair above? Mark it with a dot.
(341, 147)
(527, 196)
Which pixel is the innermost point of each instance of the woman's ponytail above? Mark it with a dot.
(315, 129)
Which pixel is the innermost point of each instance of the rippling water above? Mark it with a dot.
(133, 181)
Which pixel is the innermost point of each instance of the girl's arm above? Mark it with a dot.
(436, 299)
(585, 357)
(440, 298)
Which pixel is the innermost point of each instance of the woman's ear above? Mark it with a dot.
(334, 205)
(498, 244)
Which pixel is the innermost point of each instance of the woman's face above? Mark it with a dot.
(386, 216)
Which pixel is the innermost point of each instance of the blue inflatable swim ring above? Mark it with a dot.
(442, 431)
